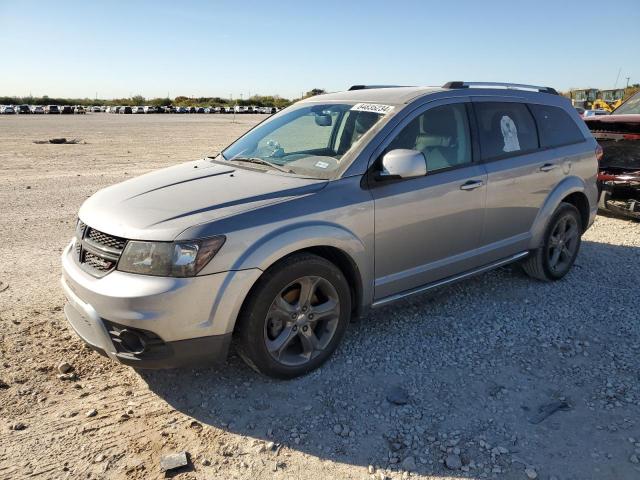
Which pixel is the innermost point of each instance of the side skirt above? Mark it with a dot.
(446, 281)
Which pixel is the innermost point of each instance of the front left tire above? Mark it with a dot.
(294, 317)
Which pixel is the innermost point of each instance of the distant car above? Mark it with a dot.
(240, 109)
(149, 109)
(79, 110)
(52, 109)
(111, 110)
(66, 109)
(125, 110)
(138, 109)
(23, 109)
(191, 109)
(37, 109)
(96, 109)
(209, 110)
(199, 109)
(103, 108)
(181, 110)
(7, 109)
(595, 113)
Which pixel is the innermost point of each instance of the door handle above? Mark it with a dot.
(471, 185)
(547, 167)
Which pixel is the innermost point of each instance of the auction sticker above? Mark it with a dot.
(372, 107)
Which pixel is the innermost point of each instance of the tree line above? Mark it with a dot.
(179, 101)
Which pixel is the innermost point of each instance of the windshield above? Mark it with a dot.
(310, 140)
(631, 106)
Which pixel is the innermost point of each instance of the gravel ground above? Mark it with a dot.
(496, 377)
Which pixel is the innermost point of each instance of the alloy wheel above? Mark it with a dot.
(563, 243)
(302, 320)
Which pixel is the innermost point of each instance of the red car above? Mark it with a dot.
(619, 175)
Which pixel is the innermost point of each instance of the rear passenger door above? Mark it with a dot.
(519, 174)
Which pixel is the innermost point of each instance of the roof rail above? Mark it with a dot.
(508, 86)
(367, 87)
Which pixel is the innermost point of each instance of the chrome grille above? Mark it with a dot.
(97, 252)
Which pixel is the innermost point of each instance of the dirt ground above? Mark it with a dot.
(479, 362)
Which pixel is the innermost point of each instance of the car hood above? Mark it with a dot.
(162, 204)
(614, 123)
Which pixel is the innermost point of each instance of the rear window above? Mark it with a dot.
(505, 129)
(556, 127)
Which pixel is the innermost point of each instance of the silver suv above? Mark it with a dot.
(337, 204)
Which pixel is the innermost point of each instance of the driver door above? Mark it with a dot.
(429, 228)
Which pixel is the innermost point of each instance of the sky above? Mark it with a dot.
(114, 49)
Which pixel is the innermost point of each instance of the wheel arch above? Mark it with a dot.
(571, 190)
(331, 242)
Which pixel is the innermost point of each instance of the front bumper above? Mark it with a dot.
(178, 321)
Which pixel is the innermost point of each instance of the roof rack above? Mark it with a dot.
(508, 86)
(367, 87)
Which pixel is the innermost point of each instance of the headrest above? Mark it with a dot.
(425, 141)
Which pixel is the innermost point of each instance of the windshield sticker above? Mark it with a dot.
(509, 134)
(372, 107)
(322, 164)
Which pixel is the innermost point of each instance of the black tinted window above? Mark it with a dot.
(556, 126)
(505, 128)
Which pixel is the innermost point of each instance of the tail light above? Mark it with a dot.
(599, 152)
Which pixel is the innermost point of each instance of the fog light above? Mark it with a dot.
(131, 342)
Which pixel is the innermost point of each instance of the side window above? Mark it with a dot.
(441, 134)
(556, 126)
(505, 128)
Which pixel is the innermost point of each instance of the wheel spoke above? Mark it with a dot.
(282, 306)
(555, 256)
(309, 342)
(571, 233)
(282, 341)
(324, 310)
(307, 289)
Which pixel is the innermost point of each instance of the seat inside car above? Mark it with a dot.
(440, 131)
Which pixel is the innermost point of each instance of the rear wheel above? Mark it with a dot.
(560, 247)
(295, 317)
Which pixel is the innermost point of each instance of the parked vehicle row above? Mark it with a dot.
(79, 109)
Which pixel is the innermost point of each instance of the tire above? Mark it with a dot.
(281, 336)
(556, 245)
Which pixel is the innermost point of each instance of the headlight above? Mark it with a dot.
(175, 259)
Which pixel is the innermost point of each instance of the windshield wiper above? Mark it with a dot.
(261, 161)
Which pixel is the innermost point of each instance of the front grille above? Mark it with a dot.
(98, 263)
(97, 252)
(106, 240)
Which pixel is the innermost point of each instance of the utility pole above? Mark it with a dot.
(628, 81)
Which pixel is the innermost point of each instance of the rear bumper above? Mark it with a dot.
(154, 322)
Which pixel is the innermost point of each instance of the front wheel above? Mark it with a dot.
(295, 317)
(560, 246)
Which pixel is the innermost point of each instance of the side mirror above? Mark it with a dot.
(323, 120)
(403, 163)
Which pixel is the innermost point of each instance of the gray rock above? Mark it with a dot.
(409, 464)
(174, 461)
(65, 367)
(92, 413)
(397, 395)
(453, 461)
(337, 429)
(531, 473)
(634, 458)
